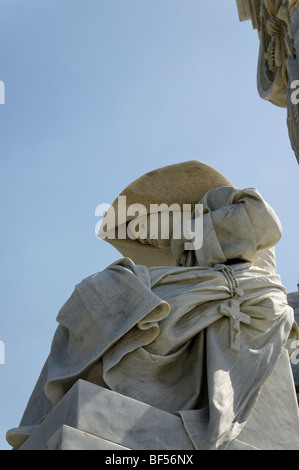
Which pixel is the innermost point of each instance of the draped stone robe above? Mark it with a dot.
(198, 340)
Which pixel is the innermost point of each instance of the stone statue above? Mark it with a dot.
(193, 329)
(278, 68)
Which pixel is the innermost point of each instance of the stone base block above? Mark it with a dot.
(67, 438)
(113, 418)
(90, 417)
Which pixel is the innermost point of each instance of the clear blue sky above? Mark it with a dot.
(98, 92)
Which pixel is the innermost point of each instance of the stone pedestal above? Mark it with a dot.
(89, 417)
(68, 438)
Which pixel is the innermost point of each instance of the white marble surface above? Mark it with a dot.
(112, 417)
(68, 438)
(92, 418)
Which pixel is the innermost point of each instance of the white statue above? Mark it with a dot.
(195, 332)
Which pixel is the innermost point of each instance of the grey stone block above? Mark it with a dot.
(112, 417)
(67, 438)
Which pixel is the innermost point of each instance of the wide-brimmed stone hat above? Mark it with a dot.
(182, 183)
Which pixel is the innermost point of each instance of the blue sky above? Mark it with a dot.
(98, 92)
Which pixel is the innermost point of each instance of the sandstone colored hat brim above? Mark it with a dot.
(182, 183)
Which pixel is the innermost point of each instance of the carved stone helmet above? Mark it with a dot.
(179, 184)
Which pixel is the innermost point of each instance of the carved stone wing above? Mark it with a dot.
(277, 23)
